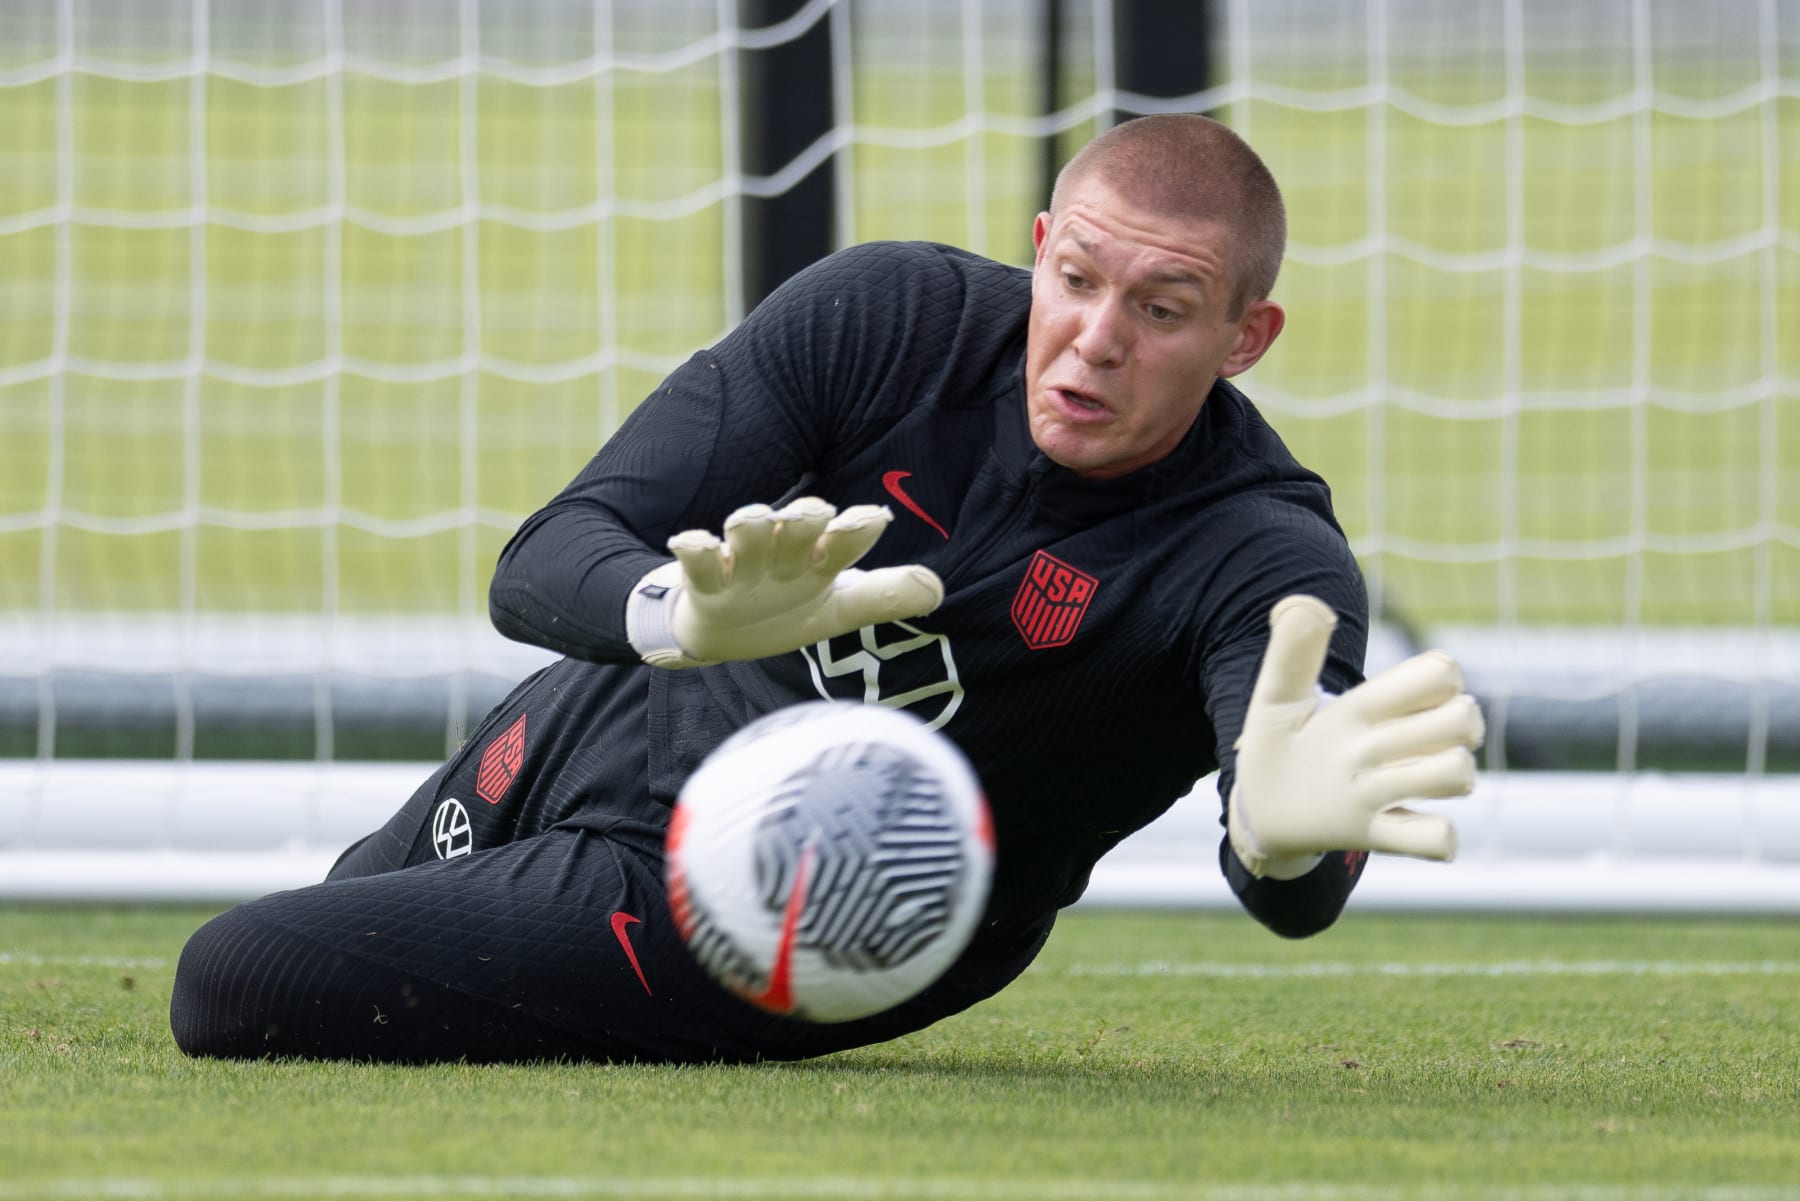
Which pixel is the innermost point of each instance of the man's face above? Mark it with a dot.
(1128, 330)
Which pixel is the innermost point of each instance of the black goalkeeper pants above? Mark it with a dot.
(557, 944)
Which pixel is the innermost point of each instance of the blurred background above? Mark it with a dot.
(304, 306)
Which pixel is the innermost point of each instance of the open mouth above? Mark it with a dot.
(1080, 401)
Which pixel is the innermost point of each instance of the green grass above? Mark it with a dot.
(374, 495)
(1149, 1056)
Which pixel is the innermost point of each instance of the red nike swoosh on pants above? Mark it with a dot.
(891, 481)
(620, 920)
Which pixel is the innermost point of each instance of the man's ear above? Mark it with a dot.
(1040, 229)
(1260, 325)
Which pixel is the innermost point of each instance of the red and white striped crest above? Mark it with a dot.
(500, 763)
(1051, 601)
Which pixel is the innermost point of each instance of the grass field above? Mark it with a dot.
(1146, 1057)
(1546, 361)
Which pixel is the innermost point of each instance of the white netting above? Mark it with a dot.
(1568, 270)
(304, 306)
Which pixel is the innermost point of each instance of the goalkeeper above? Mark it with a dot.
(1024, 504)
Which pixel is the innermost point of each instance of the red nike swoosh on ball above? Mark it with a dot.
(620, 920)
(891, 481)
(779, 995)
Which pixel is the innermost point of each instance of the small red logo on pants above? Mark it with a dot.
(621, 920)
(500, 763)
(1051, 601)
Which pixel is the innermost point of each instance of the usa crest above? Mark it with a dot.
(500, 763)
(1051, 601)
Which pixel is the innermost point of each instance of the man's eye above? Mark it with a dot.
(1158, 312)
(1074, 282)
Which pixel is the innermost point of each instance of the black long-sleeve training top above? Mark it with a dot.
(1098, 641)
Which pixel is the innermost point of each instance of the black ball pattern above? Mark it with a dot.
(883, 854)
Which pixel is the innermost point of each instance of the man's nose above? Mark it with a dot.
(1104, 335)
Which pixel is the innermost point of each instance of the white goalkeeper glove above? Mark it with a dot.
(780, 580)
(1317, 773)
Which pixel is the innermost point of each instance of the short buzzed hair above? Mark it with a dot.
(1194, 167)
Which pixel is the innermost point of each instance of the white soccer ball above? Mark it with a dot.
(830, 860)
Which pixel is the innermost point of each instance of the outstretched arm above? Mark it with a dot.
(1317, 774)
(804, 380)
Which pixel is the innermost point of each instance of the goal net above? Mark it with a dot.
(303, 307)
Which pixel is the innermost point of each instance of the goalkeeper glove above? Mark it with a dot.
(1317, 775)
(779, 581)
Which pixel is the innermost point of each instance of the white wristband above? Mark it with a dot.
(650, 617)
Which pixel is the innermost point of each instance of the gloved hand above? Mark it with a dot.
(1318, 773)
(779, 581)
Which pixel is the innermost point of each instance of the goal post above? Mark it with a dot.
(303, 308)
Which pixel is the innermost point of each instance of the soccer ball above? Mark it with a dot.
(830, 860)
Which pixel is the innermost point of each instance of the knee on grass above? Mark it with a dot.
(221, 990)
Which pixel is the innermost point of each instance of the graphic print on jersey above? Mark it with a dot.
(902, 667)
(500, 763)
(891, 481)
(1051, 601)
(452, 835)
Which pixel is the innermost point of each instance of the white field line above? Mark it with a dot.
(1223, 971)
(27, 959)
(858, 1188)
(1511, 967)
